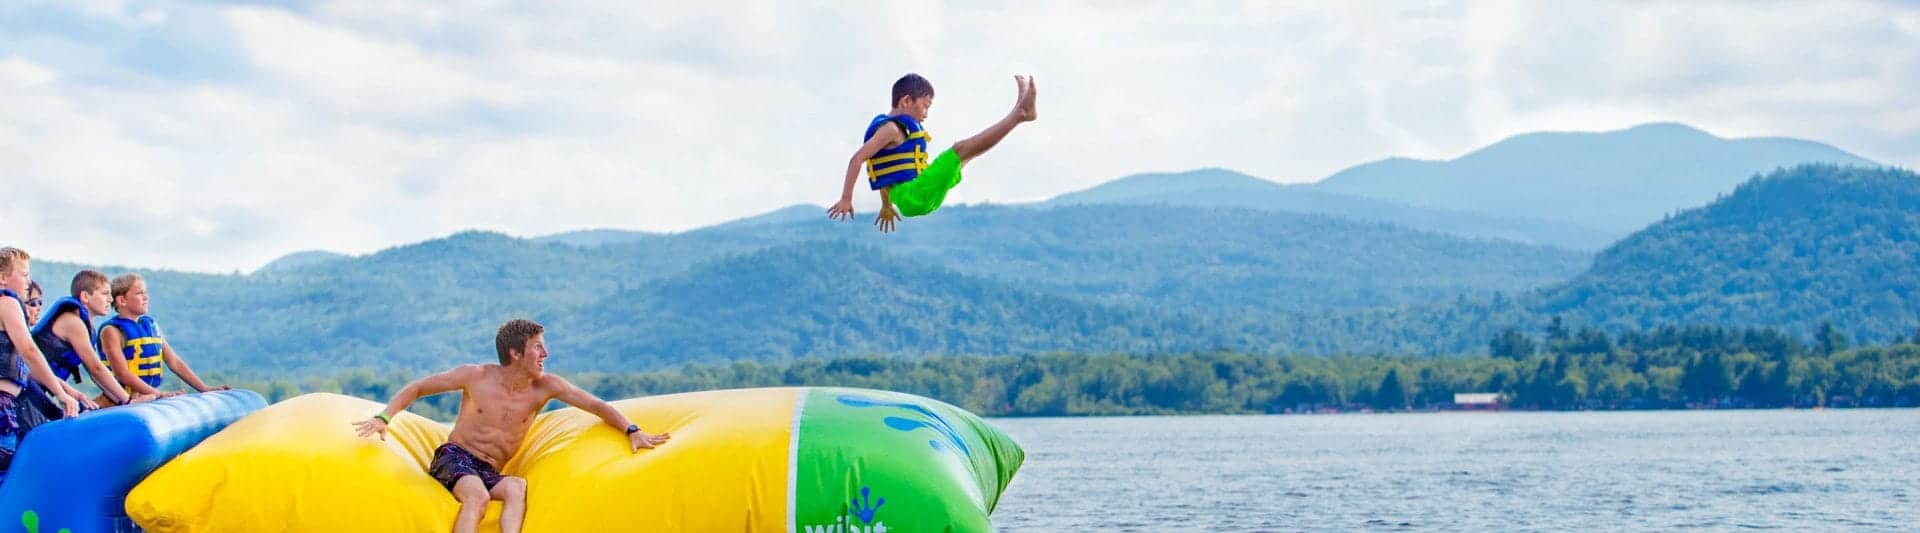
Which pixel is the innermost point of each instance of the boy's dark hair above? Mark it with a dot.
(513, 336)
(33, 288)
(87, 280)
(910, 85)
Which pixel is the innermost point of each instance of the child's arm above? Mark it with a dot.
(566, 392)
(882, 138)
(16, 325)
(888, 216)
(450, 380)
(180, 368)
(79, 397)
(71, 329)
(122, 370)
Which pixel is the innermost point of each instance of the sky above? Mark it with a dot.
(217, 137)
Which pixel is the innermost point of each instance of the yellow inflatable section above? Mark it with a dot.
(313, 468)
(297, 466)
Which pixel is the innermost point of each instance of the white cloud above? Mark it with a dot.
(355, 73)
(16, 70)
(353, 126)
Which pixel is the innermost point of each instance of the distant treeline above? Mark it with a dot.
(1664, 368)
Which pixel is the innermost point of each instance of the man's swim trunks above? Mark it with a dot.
(451, 462)
(926, 192)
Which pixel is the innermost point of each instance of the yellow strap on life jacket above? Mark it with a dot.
(919, 159)
(918, 165)
(140, 360)
(877, 175)
(895, 157)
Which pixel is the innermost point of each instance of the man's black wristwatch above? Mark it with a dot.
(633, 428)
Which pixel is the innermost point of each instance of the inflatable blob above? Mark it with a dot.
(298, 466)
(71, 475)
(791, 459)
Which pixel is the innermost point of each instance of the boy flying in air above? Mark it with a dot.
(895, 153)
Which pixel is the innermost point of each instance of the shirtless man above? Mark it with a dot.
(497, 406)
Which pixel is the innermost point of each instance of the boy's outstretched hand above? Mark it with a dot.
(842, 210)
(370, 427)
(887, 219)
(640, 439)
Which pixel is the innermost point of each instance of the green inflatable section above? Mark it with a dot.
(871, 461)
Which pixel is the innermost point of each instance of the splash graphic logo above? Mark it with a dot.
(862, 520)
(31, 520)
(930, 420)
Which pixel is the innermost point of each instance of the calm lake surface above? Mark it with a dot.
(1795, 470)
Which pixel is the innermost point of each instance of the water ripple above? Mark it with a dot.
(1468, 471)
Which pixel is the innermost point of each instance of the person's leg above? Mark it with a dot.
(512, 492)
(9, 436)
(925, 193)
(472, 493)
(1024, 109)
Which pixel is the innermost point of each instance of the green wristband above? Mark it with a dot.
(384, 419)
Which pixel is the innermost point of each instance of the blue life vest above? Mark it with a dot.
(141, 347)
(61, 354)
(12, 366)
(902, 163)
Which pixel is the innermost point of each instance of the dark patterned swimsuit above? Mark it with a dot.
(451, 462)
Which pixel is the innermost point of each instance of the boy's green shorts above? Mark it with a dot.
(925, 192)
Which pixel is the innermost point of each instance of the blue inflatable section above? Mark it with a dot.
(74, 475)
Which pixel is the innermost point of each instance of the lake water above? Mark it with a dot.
(1794, 470)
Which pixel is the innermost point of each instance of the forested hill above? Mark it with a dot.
(1240, 260)
(971, 280)
(822, 298)
(1215, 187)
(1790, 249)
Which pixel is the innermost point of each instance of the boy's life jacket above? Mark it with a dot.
(12, 366)
(141, 347)
(901, 163)
(61, 354)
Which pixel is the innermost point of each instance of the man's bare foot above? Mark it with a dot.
(1024, 109)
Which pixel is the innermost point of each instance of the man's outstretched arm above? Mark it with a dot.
(450, 380)
(565, 391)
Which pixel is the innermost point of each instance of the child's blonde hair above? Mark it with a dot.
(11, 258)
(121, 285)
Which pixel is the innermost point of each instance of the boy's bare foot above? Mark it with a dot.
(1024, 109)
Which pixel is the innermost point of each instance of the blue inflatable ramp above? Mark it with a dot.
(72, 476)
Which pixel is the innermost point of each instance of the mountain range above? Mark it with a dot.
(1149, 263)
(1616, 182)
